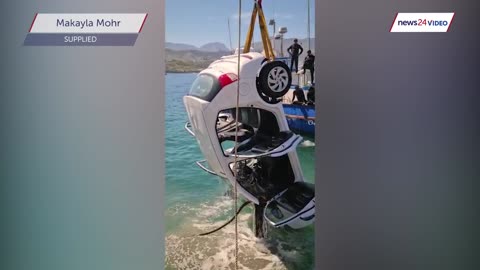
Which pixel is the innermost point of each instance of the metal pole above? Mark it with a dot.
(273, 34)
(281, 45)
(230, 35)
(308, 27)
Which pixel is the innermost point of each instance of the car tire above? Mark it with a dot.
(274, 79)
(265, 98)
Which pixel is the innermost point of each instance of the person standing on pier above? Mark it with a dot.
(295, 50)
(309, 63)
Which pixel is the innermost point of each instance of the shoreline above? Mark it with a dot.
(180, 72)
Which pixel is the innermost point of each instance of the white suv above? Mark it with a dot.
(268, 168)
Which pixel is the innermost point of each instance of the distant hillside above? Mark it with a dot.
(179, 46)
(188, 58)
(191, 60)
(286, 43)
(209, 47)
(214, 47)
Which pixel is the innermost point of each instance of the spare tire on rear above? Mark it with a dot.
(274, 79)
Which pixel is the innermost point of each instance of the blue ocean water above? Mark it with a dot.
(196, 203)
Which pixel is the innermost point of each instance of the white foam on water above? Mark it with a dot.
(186, 250)
(179, 209)
(307, 143)
(222, 206)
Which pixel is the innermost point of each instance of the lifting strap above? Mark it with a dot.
(267, 45)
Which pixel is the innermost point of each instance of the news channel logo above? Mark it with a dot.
(422, 22)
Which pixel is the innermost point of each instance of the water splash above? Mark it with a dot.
(307, 143)
(280, 250)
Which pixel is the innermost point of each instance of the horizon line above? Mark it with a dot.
(167, 41)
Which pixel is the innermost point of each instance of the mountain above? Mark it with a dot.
(286, 43)
(190, 60)
(182, 57)
(214, 47)
(209, 47)
(179, 46)
(220, 47)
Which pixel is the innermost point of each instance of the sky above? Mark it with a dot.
(198, 22)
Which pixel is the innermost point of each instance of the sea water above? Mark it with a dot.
(197, 202)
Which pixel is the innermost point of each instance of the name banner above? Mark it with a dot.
(83, 29)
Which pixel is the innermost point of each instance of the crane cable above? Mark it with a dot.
(235, 195)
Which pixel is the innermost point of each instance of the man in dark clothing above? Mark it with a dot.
(299, 95)
(309, 64)
(295, 50)
(311, 96)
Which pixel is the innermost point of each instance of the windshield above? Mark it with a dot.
(205, 87)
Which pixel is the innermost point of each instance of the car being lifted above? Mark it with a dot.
(268, 170)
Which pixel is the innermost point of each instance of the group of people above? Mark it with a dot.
(308, 64)
(299, 96)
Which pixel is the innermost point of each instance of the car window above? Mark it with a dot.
(205, 87)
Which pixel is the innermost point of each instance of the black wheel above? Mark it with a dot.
(274, 79)
(266, 98)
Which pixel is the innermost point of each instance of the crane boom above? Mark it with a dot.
(267, 45)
